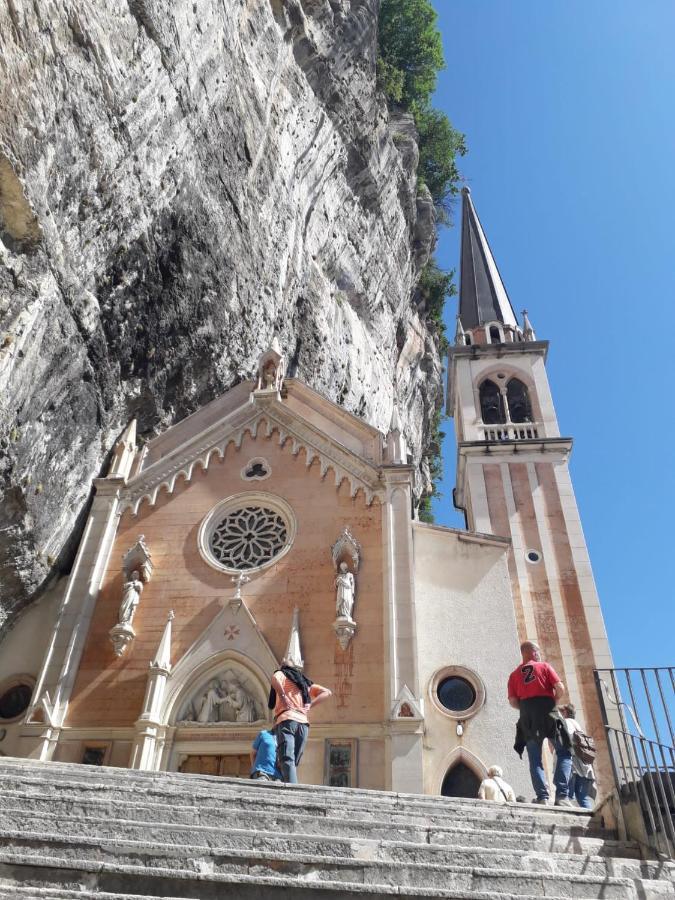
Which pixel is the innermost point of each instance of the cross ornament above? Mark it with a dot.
(236, 600)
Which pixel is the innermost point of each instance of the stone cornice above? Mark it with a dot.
(539, 348)
(271, 415)
(522, 451)
(531, 445)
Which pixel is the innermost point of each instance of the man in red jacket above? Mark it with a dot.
(534, 689)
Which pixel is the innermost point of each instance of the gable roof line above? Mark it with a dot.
(360, 472)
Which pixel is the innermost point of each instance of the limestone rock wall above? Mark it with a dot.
(181, 180)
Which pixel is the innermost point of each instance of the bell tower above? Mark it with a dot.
(513, 478)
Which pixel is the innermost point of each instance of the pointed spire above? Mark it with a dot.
(395, 424)
(459, 333)
(396, 450)
(528, 330)
(482, 295)
(293, 655)
(162, 658)
(124, 452)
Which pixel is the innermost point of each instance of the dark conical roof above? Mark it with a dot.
(482, 295)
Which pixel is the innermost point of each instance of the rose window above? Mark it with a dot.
(248, 537)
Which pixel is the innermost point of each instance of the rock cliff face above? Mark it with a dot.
(181, 180)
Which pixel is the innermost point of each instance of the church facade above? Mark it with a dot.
(273, 525)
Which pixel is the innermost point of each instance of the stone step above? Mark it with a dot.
(202, 840)
(185, 888)
(39, 848)
(43, 809)
(320, 795)
(315, 800)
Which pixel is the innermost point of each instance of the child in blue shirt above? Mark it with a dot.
(264, 757)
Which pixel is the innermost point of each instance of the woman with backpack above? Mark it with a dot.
(582, 782)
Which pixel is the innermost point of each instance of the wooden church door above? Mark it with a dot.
(234, 765)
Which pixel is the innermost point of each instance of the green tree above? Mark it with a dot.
(410, 57)
(411, 43)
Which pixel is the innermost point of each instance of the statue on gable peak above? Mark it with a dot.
(271, 369)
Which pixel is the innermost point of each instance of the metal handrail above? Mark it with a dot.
(643, 762)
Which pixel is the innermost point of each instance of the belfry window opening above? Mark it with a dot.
(508, 405)
(518, 401)
(492, 406)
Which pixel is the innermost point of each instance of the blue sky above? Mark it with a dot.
(569, 116)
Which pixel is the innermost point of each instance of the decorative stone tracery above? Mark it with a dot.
(248, 537)
(246, 532)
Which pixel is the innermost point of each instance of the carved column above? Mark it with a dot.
(403, 694)
(149, 738)
(59, 669)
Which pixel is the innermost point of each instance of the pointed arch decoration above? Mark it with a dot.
(223, 674)
(454, 757)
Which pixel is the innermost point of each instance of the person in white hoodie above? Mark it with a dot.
(495, 788)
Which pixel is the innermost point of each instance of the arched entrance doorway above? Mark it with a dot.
(460, 781)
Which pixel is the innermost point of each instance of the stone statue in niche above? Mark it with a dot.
(346, 587)
(137, 571)
(271, 369)
(269, 377)
(131, 597)
(346, 553)
(123, 633)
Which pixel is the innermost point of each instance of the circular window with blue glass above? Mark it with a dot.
(457, 692)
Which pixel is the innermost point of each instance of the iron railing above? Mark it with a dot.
(638, 709)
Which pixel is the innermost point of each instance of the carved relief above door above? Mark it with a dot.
(231, 697)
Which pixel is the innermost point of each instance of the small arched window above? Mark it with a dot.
(491, 404)
(495, 335)
(467, 340)
(518, 397)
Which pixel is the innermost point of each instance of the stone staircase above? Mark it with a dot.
(71, 831)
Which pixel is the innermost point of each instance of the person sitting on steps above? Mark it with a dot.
(533, 689)
(495, 788)
(264, 757)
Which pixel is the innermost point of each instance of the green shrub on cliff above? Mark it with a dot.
(440, 145)
(433, 288)
(410, 58)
